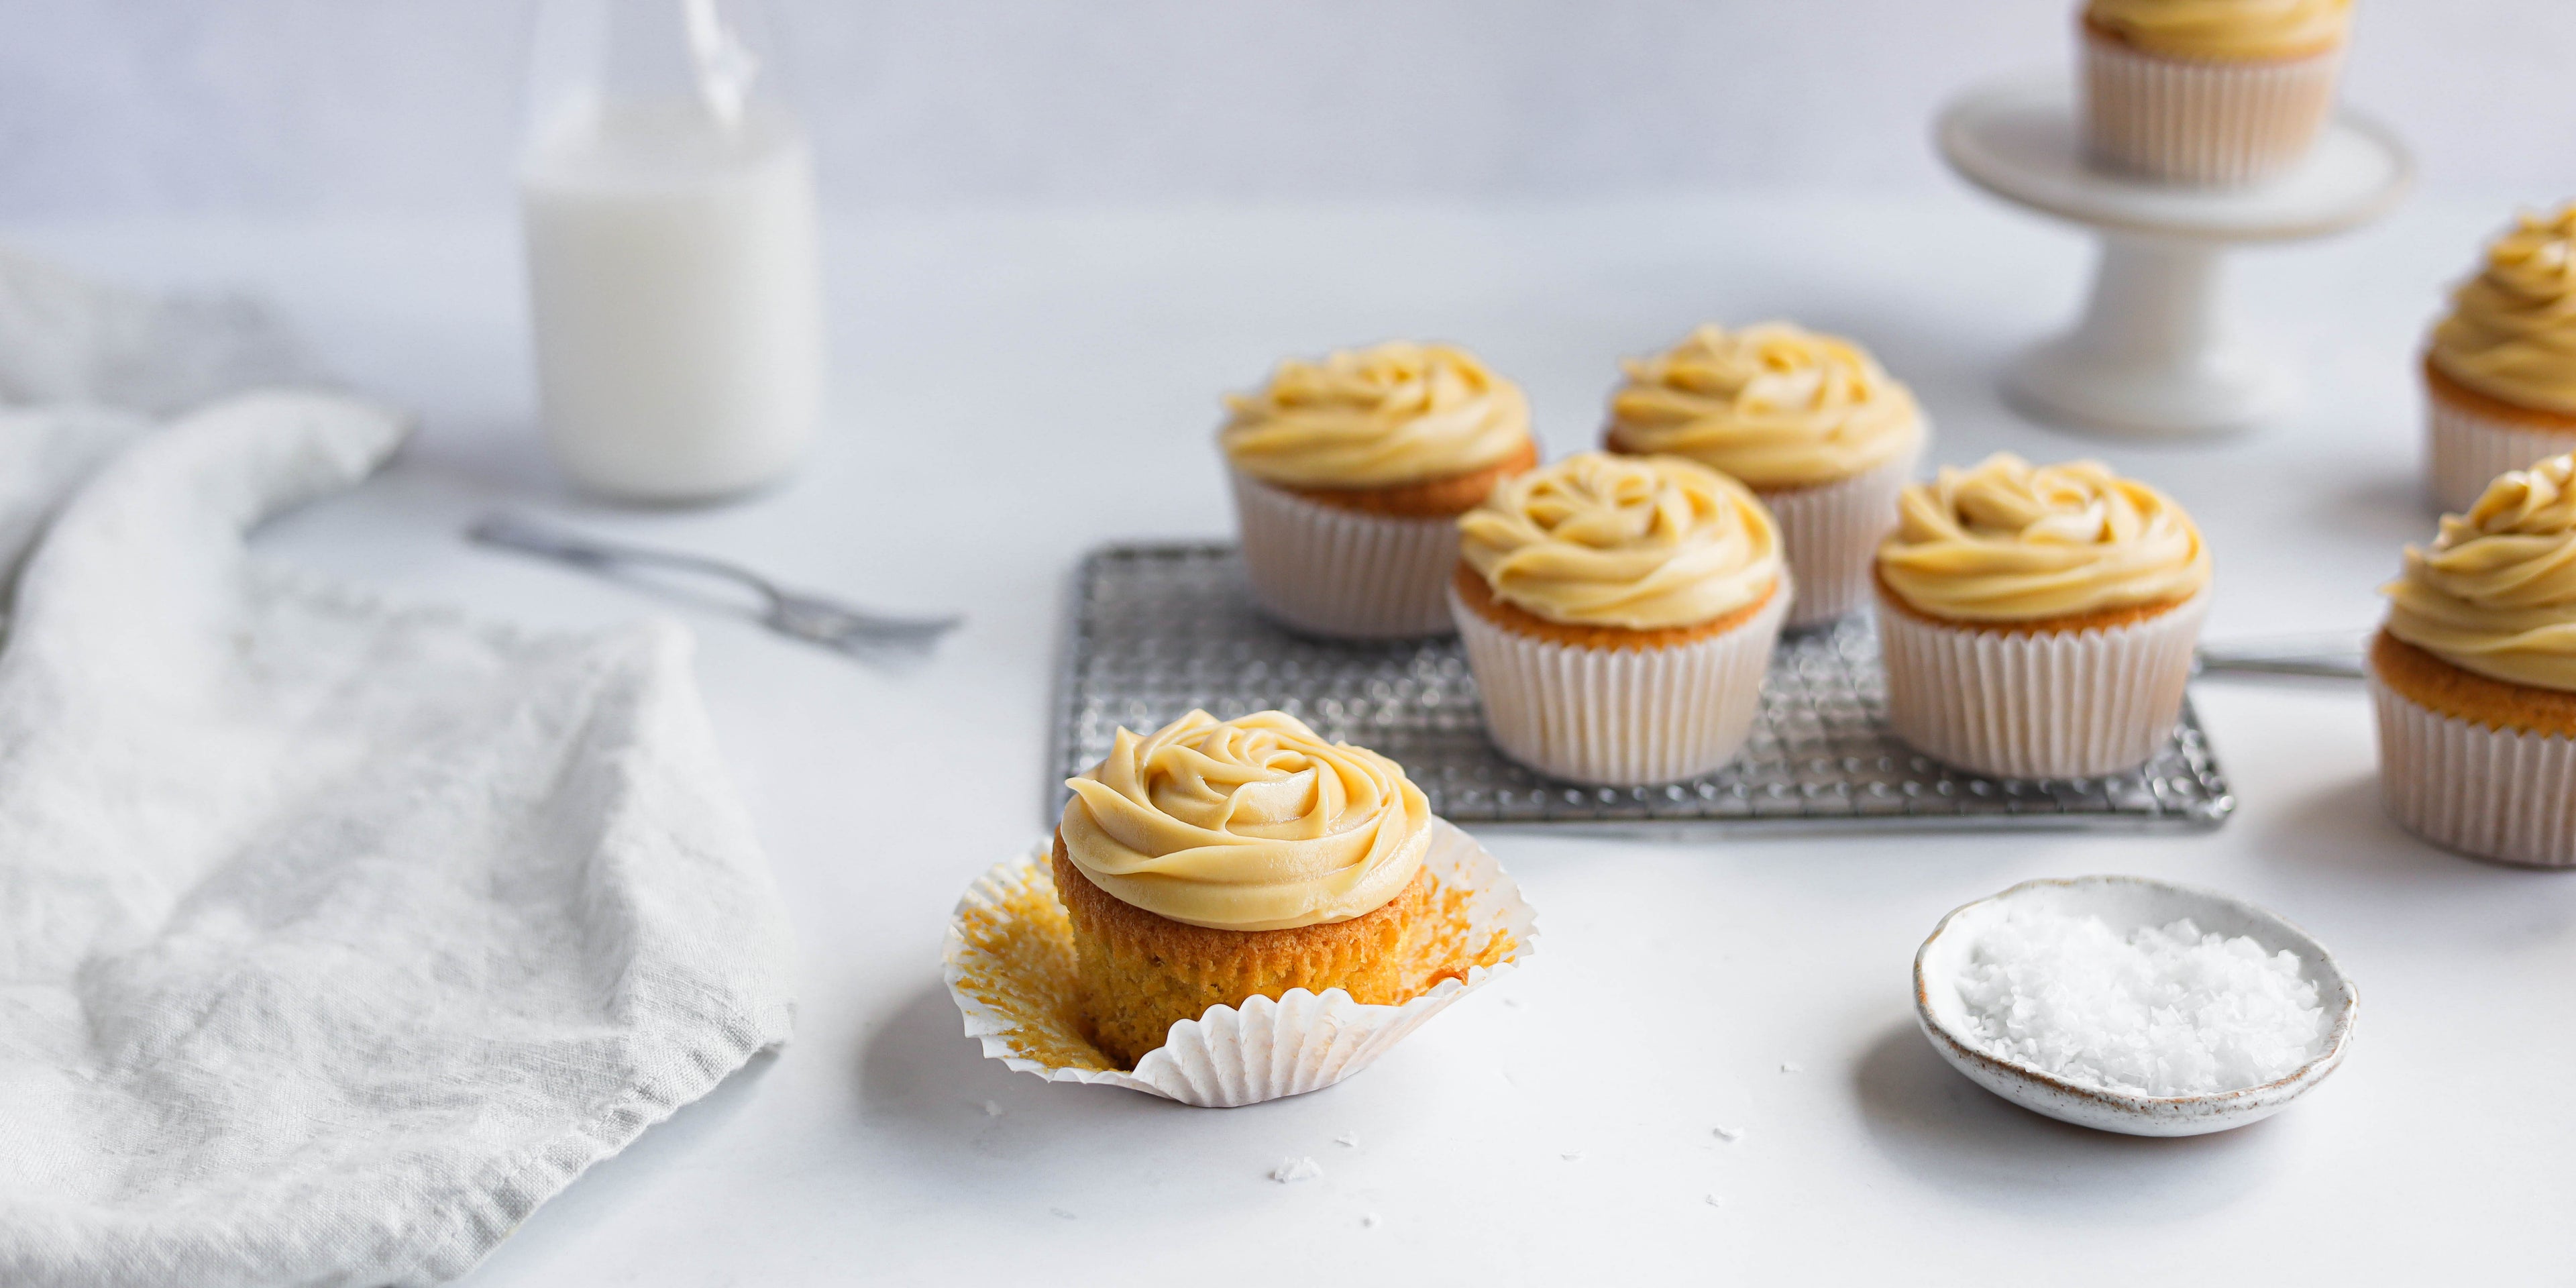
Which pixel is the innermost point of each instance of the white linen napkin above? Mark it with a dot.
(335, 935)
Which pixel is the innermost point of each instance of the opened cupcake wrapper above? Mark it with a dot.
(2500, 794)
(2062, 704)
(2470, 448)
(1621, 717)
(1008, 962)
(1340, 573)
(1830, 533)
(2204, 121)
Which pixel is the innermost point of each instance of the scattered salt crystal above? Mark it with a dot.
(1512, 1002)
(1350, 1139)
(1291, 1170)
(2165, 1011)
(1728, 1134)
(992, 1109)
(1573, 1154)
(1369, 1219)
(1715, 1201)
(1790, 1066)
(1060, 1212)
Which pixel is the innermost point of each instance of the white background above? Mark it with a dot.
(1059, 231)
(268, 105)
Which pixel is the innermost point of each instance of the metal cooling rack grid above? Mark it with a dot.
(1160, 629)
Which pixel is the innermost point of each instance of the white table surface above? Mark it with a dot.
(1013, 389)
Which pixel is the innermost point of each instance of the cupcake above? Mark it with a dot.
(1808, 421)
(2500, 373)
(2209, 92)
(2039, 621)
(1350, 474)
(1215, 860)
(2474, 676)
(1618, 612)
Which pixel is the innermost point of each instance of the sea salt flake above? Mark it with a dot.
(1791, 1066)
(2161, 1011)
(1728, 1134)
(1291, 1170)
(1056, 1211)
(1348, 1139)
(1715, 1201)
(1369, 1219)
(992, 1109)
(1572, 1154)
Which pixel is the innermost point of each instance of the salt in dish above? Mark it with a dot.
(2133, 1006)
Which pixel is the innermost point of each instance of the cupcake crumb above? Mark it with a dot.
(1728, 1134)
(1291, 1170)
(992, 1109)
(1791, 1066)
(1348, 1140)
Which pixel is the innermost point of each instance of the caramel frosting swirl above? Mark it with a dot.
(1774, 405)
(2496, 592)
(2225, 29)
(1381, 417)
(1254, 823)
(2512, 330)
(2008, 541)
(1639, 542)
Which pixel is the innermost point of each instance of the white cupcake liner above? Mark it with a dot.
(1339, 573)
(1621, 717)
(2063, 704)
(2468, 449)
(2210, 122)
(1023, 1007)
(1830, 535)
(2499, 794)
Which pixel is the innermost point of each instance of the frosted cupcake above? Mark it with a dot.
(2039, 621)
(1210, 861)
(2210, 92)
(2500, 373)
(1808, 421)
(1350, 473)
(2474, 676)
(1618, 613)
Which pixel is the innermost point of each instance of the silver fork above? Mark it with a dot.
(2335, 657)
(811, 618)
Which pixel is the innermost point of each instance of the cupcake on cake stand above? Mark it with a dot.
(2154, 353)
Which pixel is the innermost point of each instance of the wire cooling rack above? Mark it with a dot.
(1160, 629)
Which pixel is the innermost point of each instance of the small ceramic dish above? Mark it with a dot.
(2125, 904)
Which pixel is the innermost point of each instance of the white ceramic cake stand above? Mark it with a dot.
(2153, 353)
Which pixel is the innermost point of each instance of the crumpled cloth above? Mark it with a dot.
(335, 934)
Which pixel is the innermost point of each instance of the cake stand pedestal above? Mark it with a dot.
(2153, 353)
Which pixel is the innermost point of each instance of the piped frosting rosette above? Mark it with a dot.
(2494, 596)
(2211, 92)
(1619, 613)
(1347, 473)
(2502, 366)
(1809, 421)
(2039, 621)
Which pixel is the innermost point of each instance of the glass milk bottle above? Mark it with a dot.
(668, 202)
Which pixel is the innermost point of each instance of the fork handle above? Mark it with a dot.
(514, 533)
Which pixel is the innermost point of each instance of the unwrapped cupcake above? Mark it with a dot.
(2500, 373)
(2210, 92)
(1618, 613)
(1213, 861)
(2039, 621)
(1349, 474)
(2474, 676)
(1808, 421)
